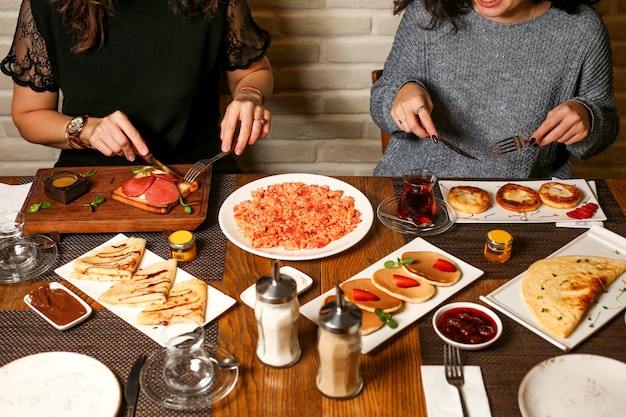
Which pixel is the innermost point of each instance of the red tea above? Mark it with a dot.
(418, 201)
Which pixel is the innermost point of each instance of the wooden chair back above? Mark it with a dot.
(384, 137)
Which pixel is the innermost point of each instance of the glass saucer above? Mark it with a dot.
(152, 384)
(387, 214)
(47, 252)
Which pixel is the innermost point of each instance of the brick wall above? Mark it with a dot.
(323, 52)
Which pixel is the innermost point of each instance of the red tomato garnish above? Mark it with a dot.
(583, 212)
(444, 266)
(363, 295)
(404, 282)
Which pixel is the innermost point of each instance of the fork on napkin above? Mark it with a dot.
(442, 399)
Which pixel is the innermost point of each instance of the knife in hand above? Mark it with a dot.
(454, 147)
(131, 391)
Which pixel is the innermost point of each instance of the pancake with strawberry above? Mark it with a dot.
(432, 267)
(368, 297)
(396, 282)
(370, 322)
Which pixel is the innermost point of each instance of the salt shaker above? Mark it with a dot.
(276, 311)
(339, 347)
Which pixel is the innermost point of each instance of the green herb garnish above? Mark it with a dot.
(398, 263)
(88, 173)
(34, 208)
(143, 170)
(95, 203)
(186, 207)
(386, 318)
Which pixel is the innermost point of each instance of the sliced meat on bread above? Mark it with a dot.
(150, 285)
(186, 302)
(559, 195)
(153, 190)
(112, 262)
(397, 283)
(432, 267)
(518, 198)
(368, 297)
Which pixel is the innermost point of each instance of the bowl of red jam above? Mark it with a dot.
(468, 326)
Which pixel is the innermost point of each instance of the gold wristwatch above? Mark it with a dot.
(73, 130)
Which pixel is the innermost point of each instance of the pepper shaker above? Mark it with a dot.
(339, 347)
(277, 311)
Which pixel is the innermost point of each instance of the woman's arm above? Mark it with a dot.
(250, 88)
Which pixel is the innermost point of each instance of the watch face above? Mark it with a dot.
(75, 125)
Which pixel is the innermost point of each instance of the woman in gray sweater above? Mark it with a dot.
(476, 71)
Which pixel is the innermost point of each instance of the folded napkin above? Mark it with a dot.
(442, 399)
(13, 196)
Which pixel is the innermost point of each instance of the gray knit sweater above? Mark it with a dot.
(490, 81)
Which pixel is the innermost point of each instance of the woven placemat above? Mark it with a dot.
(104, 336)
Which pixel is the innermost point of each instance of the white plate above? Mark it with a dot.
(574, 386)
(59, 286)
(54, 384)
(544, 214)
(595, 242)
(303, 283)
(409, 313)
(230, 229)
(217, 303)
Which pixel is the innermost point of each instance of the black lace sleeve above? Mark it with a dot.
(244, 42)
(27, 62)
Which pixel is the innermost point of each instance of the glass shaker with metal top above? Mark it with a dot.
(276, 311)
(339, 348)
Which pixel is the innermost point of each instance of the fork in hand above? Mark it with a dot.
(454, 371)
(512, 144)
(199, 167)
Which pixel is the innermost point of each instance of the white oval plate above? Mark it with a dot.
(230, 229)
(574, 385)
(58, 384)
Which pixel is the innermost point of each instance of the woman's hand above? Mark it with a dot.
(114, 135)
(567, 123)
(247, 113)
(411, 111)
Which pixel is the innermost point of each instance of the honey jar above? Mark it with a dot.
(498, 246)
(183, 245)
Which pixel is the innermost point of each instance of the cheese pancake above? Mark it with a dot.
(468, 199)
(518, 198)
(559, 195)
(559, 291)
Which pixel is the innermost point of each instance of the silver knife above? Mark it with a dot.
(131, 391)
(153, 161)
(454, 148)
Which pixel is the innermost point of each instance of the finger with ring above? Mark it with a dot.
(401, 121)
(421, 108)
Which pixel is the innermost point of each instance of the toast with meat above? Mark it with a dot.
(153, 190)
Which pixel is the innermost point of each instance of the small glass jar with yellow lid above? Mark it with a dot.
(183, 245)
(498, 246)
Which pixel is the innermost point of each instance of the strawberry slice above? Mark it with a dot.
(404, 282)
(585, 211)
(363, 295)
(444, 266)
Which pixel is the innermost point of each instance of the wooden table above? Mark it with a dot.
(391, 374)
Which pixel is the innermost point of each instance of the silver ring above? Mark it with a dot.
(401, 121)
(421, 108)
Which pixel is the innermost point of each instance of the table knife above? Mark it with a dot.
(153, 161)
(455, 148)
(131, 391)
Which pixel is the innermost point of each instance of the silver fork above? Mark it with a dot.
(454, 371)
(512, 144)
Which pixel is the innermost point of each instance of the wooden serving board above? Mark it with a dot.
(112, 215)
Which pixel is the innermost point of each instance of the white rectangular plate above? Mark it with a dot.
(217, 301)
(595, 242)
(58, 286)
(409, 313)
(544, 214)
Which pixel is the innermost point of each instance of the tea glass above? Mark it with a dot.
(417, 202)
(17, 252)
(187, 369)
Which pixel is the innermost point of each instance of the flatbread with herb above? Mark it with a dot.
(558, 291)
